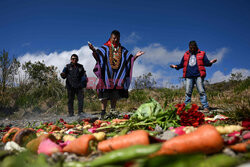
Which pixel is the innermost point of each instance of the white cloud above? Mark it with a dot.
(61, 59)
(158, 75)
(156, 54)
(132, 38)
(218, 54)
(155, 60)
(218, 76)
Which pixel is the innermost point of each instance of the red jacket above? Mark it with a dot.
(199, 58)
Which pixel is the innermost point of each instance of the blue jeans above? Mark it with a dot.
(190, 82)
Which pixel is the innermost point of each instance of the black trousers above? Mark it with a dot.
(72, 92)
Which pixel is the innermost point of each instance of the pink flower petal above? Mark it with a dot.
(234, 134)
(48, 147)
(170, 128)
(179, 130)
(246, 136)
(63, 144)
(92, 130)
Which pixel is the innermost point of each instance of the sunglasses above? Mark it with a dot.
(73, 58)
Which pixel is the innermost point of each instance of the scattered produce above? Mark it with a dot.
(99, 136)
(23, 136)
(189, 129)
(34, 144)
(121, 155)
(10, 134)
(68, 138)
(48, 147)
(246, 136)
(69, 126)
(82, 145)
(228, 129)
(119, 121)
(205, 139)
(54, 128)
(190, 116)
(139, 137)
(129, 140)
(241, 147)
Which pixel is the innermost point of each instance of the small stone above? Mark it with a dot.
(82, 159)
(58, 156)
(158, 128)
(229, 152)
(167, 135)
(71, 157)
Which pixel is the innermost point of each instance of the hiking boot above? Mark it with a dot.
(103, 113)
(70, 114)
(80, 114)
(114, 112)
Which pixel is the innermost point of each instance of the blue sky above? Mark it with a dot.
(51, 29)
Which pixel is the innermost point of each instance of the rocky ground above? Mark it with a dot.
(35, 119)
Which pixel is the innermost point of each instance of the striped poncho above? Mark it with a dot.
(109, 78)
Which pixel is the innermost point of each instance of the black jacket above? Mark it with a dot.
(73, 75)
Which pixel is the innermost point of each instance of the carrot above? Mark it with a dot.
(23, 136)
(69, 126)
(134, 138)
(205, 139)
(34, 144)
(54, 128)
(81, 145)
(117, 121)
(240, 147)
(99, 122)
(10, 134)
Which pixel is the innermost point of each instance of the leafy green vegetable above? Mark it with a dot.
(147, 110)
(26, 159)
(190, 160)
(151, 114)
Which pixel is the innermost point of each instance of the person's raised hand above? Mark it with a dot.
(213, 61)
(173, 66)
(139, 53)
(91, 47)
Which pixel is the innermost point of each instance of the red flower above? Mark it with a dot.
(86, 119)
(126, 116)
(62, 121)
(39, 130)
(150, 128)
(190, 117)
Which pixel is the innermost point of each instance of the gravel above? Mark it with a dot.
(36, 119)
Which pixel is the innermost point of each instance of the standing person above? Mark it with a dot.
(113, 68)
(193, 63)
(74, 74)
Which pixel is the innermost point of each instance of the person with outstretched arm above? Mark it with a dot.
(114, 65)
(193, 63)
